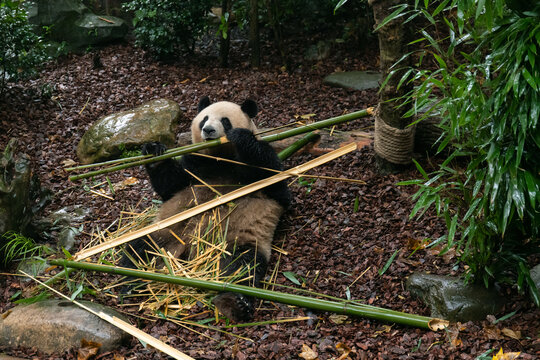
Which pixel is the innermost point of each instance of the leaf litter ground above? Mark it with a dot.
(334, 240)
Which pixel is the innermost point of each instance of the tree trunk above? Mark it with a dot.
(225, 39)
(272, 8)
(394, 141)
(254, 40)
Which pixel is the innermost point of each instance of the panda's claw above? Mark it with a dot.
(236, 307)
(153, 148)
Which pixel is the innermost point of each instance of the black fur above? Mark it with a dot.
(250, 108)
(203, 103)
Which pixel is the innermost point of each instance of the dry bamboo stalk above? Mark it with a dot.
(121, 324)
(258, 185)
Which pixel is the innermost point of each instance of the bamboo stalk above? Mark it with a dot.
(346, 308)
(220, 200)
(145, 159)
(297, 145)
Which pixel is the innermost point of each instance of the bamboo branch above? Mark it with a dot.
(220, 200)
(146, 159)
(346, 308)
(297, 145)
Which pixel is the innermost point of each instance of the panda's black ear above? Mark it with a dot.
(203, 103)
(250, 108)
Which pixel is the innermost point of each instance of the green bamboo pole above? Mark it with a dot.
(143, 159)
(290, 299)
(297, 145)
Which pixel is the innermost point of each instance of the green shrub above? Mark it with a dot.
(485, 88)
(167, 26)
(20, 49)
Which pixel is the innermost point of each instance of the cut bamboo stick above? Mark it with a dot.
(367, 311)
(221, 200)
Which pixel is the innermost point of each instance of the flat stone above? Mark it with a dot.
(110, 135)
(7, 357)
(357, 80)
(58, 325)
(449, 298)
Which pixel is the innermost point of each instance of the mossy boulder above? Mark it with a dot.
(109, 136)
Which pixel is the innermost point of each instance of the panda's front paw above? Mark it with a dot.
(240, 136)
(236, 307)
(153, 148)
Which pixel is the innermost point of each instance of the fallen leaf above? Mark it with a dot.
(453, 336)
(492, 332)
(125, 183)
(511, 333)
(88, 349)
(344, 350)
(308, 353)
(68, 162)
(385, 329)
(416, 244)
(338, 319)
(508, 356)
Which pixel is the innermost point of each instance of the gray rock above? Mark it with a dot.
(21, 195)
(56, 326)
(357, 80)
(153, 121)
(73, 22)
(449, 298)
(319, 51)
(91, 29)
(535, 275)
(64, 224)
(7, 357)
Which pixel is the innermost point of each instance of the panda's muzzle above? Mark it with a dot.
(208, 132)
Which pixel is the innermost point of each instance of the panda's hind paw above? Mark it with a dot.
(236, 307)
(153, 148)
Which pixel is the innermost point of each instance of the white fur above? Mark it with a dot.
(215, 112)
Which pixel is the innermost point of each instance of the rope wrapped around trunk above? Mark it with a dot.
(393, 144)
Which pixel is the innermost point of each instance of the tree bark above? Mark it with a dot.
(393, 40)
(254, 38)
(225, 39)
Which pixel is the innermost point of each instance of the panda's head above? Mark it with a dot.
(213, 120)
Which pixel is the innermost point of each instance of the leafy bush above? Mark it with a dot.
(485, 88)
(167, 26)
(20, 49)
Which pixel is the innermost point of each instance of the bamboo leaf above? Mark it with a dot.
(292, 277)
(389, 262)
(393, 16)
(532, 82)
(420, 169)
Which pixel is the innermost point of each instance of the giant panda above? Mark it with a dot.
(252, 222)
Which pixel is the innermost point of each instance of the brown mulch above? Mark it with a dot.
(328, 243)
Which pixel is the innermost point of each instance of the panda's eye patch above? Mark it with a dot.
(203, 122)
(226, 124)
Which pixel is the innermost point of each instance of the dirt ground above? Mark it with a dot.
(337, 250)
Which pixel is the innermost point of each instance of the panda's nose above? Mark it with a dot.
(209, 131)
